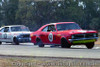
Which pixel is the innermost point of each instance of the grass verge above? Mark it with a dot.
(47, 62)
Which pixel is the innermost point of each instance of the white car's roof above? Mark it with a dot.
(13, 25)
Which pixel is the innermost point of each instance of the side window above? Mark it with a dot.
(2, 30)
(6, 29)
(51, 28)
(45, 29)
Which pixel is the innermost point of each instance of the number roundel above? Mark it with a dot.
(50, 37)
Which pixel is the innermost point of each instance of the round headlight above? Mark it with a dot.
(94, 35)
(72, 37)
(19, 38)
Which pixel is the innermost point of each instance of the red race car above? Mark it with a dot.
(64, 34)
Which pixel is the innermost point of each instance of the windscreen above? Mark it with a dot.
(19, 28)
(67, 26)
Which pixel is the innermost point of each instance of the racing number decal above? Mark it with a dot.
(50, 37)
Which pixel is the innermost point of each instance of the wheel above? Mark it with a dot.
(40, 43)
(16, 41)
(90, 45)
(0, 43)
(65, 44)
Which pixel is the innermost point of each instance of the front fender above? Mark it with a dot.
(67, 38)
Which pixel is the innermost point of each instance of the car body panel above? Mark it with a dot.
(55, 36)
(9, 35)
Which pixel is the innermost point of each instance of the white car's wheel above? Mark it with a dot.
(15, 40)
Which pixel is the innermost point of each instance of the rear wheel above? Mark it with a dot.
(90, 45)
(40, 43)
(15, 40)
(64, 43)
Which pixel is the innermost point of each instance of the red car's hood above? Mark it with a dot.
(77, 31)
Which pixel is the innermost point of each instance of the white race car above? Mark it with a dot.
(15, 34)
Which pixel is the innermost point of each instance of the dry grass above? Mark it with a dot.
(47, 62)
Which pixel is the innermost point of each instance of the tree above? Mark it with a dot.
(95, 24)
(91, 11)
(34, 13)
(9, 8)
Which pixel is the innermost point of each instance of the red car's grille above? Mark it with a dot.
(88, 35)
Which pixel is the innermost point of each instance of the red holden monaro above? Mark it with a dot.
(64, 34)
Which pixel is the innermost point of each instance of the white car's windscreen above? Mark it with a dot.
(19, 28)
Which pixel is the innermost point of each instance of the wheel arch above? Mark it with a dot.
(37, 39)
(15, 41)
(14, 38)
(63, 38)
(66, 38)
(64, 43)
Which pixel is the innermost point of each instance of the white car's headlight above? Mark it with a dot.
(20, 36)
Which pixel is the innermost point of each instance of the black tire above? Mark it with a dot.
(0, 43)
(40, 43)
(15, 40)
(90, 45)
(64, 43)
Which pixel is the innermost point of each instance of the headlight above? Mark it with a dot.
(20, 36)
(72, 36)
(94, 35)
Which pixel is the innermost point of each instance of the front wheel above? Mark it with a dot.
(16, 41)
(40, 43)
(65, 44)
(90, 45)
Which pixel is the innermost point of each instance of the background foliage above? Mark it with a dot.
(35, 13)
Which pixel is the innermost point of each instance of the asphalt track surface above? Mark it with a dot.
(28, 49)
